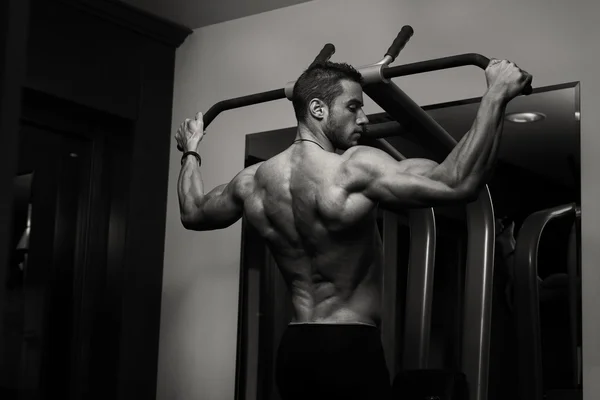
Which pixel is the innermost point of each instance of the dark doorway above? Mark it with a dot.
(60, 289)
(60, 165)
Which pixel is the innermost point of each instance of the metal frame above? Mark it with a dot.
(477, 307)
(419, 294)
(526, 296)
(574, 282)
(389, 298)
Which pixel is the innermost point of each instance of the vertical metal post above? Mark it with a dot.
(419, 292)
(478, 294)
(389, 317)
(527, 307)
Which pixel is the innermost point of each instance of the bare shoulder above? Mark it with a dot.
(371, 157)
(362, 164)
(244, 183)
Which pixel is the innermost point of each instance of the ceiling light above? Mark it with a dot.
(525, 117)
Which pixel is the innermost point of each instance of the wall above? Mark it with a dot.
(551, 39)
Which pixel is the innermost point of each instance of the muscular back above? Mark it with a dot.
(324, 240)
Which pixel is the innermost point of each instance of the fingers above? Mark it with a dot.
(179, 131)
(500, 63)
(524, 75)
(527, 79)
(200, 122)
(196, 124)
(493, 61)
(190, 127)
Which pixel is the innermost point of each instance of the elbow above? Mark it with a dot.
(185, 221)
(465, 188)
(470, 185)
(198, 223)
(470, 195)
(468, 190)
(190, 222)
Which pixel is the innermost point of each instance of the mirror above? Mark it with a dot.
(538, 170)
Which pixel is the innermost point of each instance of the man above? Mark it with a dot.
(316, 210)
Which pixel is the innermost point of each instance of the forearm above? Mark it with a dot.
(190, 188)
(472, 160)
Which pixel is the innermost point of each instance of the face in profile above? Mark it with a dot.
(346, 120)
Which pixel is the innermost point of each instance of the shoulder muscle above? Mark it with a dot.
(398, 184)
(244, 183)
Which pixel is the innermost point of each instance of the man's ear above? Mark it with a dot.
(317, 109)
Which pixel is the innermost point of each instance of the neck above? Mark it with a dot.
(315, 135)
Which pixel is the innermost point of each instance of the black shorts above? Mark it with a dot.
(332, 361)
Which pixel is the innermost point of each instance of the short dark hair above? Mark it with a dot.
(322, 81)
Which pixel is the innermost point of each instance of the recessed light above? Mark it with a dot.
(525, 117)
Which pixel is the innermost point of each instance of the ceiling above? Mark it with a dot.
(198, 13)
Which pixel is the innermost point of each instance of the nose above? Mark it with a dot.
(362, 118)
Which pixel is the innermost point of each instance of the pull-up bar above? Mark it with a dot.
(381, 69)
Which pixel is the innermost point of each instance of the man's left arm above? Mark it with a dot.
(222, 206)
(217, 209)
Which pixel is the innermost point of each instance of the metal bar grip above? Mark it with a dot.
(483, 62)
(239, 102)
(403, 37)
(442, 63)
(325, 54)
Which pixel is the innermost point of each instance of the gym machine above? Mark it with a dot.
(527, 302)
(416, 125)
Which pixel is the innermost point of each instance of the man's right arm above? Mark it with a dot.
(460, 177)
(474, 157)
(472, 160)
